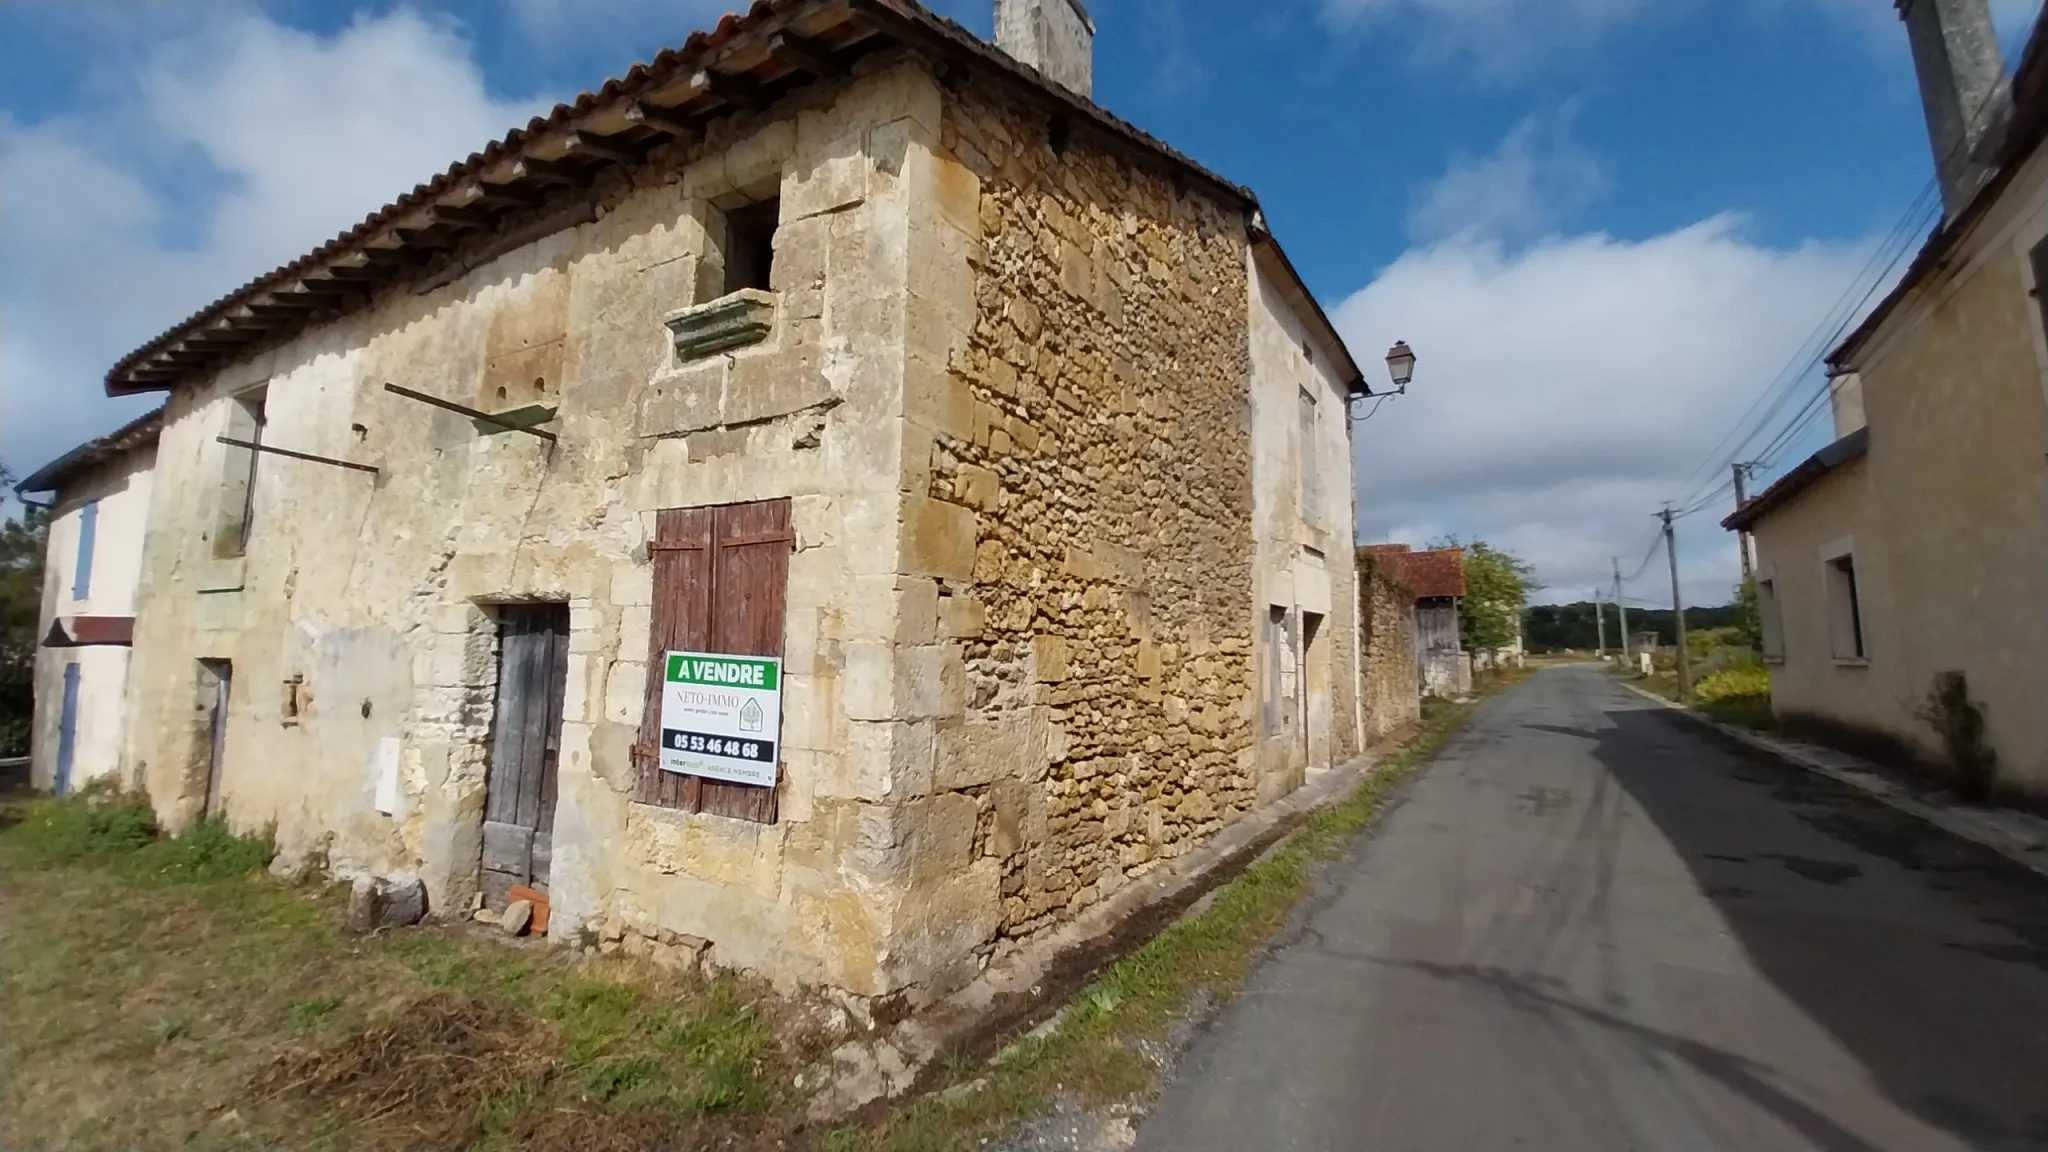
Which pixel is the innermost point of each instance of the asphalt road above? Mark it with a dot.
(1590, 925)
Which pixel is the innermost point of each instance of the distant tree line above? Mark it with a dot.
(1558, 627)
(21, 596)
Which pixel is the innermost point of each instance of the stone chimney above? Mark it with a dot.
(1962, 89)
(1057, 37)
(1845, 398)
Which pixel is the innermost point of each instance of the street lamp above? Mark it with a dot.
(1400, 368)
(1401, 364)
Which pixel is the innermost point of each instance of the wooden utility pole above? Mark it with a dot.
(1600, 623)
(1742, 537)
(1677, 606)
(1621, 610)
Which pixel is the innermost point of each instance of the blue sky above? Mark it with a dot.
(1604, 224)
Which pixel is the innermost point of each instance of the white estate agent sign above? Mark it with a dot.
(721, 716)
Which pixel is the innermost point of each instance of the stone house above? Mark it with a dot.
(1390, 696)
(1436, 579)
(997, 437)
(99, 502)
(1916, 544)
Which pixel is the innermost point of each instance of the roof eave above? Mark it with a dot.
(1802, 477)
(746, 60)
(134, 434)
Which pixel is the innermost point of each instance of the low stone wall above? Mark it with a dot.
(1388, 689)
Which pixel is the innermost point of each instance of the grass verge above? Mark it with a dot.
(171, 993)
(1752, 712)
(1093, 1052)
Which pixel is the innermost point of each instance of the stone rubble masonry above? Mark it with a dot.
(378, 591)
(1389, 694)
(1006, 394)
(1077, 379)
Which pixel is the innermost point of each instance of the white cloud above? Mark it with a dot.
(1494, 34)
(1536, 180)
(307, 134)
(612, 35)
(1564, 390)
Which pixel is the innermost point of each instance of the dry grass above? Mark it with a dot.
(150, 1004)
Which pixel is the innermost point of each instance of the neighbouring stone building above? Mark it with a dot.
(1915, 545)
(99, 501)
(1390, 696)
(836, 336)
(1436, 579)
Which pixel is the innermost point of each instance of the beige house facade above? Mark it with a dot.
(99, 499)
(1916, 544)
(835, 338)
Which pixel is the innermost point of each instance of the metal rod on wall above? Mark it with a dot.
(465, 410)
(307, 456)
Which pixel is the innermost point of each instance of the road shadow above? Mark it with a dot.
(1924, 955)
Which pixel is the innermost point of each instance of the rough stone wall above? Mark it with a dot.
(1087, 402)
(377, 592)
(1389, 695)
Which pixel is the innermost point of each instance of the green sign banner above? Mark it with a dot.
(724, 671)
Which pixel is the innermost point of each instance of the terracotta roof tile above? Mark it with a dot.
(1430, 575)
(896, 21)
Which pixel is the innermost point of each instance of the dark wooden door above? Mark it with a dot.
(526, 741)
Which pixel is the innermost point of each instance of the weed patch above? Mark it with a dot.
(87, 827)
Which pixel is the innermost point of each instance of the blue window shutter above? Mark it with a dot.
(67, 733)
(88, 523)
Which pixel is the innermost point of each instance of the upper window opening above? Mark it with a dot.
(750, 245)
(246, 420)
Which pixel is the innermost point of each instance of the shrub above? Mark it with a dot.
(1740, 682)
(92, 825)
(208, 851)
(1960, 723)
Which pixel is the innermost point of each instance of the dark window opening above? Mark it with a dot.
(1846, 604)
(2038, 258)
(750, 245)
(246, 420)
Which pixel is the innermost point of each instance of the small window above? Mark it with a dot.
(238, 475)
(88, 528)
(1845, 609)
(1770, 619)
(750, 245)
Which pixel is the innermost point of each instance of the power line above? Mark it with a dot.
(1921, 214)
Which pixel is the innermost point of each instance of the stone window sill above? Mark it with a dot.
(1777, 661)
(734, 320)
(1855, 662)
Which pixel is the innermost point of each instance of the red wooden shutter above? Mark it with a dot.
(721, 579)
